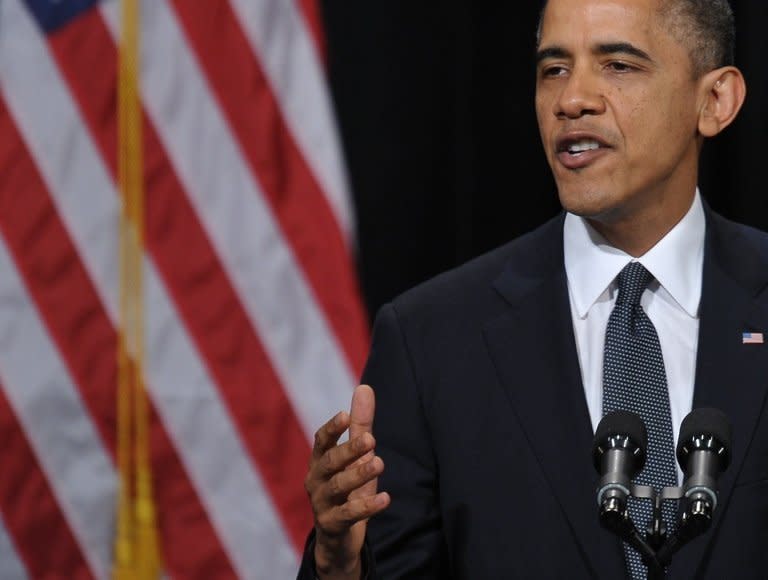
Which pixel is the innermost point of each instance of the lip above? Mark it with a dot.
(593, 147)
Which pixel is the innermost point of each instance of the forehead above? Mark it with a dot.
(571, 24)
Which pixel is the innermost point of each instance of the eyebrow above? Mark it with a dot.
(609, 48)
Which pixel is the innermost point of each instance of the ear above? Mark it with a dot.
(723, 92)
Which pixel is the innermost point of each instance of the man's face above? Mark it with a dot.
(617, 107)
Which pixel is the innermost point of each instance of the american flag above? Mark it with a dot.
(752, 338)
(255, 330)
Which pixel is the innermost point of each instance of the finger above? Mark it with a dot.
(342, 456)
(339, 519)
(362, 411)
(328, 434)
(342, 484)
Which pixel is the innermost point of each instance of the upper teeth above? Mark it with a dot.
(582, 146)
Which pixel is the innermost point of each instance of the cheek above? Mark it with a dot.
(544, 101)
(674, 110)
(660, 127)
(541, 116)
(544, 122)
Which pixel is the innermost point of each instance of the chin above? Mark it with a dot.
(584, 203)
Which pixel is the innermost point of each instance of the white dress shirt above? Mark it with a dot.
(671, 301)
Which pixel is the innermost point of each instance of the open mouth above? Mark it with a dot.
(577, 146)
(581, 146)
(577, 152)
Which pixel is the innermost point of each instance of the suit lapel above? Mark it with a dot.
(533, 348)
(730, 376)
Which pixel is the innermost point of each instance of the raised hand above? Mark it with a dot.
(342, 487)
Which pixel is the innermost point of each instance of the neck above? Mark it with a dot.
(636, 234)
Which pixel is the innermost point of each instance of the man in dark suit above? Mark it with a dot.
(469, 453)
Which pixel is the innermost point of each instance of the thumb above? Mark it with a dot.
(361, 411)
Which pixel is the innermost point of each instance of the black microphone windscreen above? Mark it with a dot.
(621, 423)
(705, 421)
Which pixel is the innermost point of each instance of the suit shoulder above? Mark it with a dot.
(470, 285)
(737, 234)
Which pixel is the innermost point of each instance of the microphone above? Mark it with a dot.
(703, 451)
(618, 452)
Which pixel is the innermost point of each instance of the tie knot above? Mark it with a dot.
(632, 282)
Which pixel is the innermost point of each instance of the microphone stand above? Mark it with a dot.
(657, 530)
(695, 520)
(655, 533)
(614, 516)
(656, 546)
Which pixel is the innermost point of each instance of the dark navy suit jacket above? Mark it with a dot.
(483, 426)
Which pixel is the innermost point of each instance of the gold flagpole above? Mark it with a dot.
(136, 547)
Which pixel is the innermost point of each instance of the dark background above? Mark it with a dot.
(435, 106)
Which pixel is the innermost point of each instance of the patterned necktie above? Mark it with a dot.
(634, 380)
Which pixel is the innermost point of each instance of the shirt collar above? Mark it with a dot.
(591, 263)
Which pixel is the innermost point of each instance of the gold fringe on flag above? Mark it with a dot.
(137, 554)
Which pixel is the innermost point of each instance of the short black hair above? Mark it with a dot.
(706, 27)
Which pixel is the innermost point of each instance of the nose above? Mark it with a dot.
(580, 95)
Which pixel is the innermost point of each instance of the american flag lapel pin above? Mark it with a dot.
(752, 338)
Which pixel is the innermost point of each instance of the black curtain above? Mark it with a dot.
(435, 107)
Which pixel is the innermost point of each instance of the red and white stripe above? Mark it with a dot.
(255, 329)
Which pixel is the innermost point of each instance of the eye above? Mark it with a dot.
(553, 70)
(620, 67)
